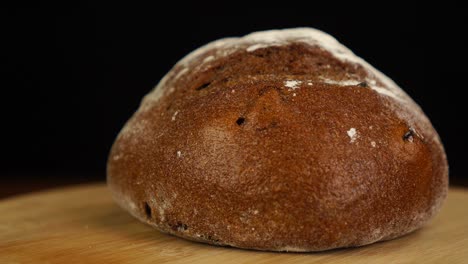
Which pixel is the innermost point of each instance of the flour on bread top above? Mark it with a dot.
(201, 57)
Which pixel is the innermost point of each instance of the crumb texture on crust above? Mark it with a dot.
(280, 140)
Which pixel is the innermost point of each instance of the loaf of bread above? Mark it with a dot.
(280, 140)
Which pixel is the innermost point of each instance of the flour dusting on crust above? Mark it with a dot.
(264, 39)
(292, 84)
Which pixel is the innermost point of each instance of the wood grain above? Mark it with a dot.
(83, 225)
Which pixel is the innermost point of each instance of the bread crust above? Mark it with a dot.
(279, 140)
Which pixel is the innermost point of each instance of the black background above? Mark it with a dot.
(71, 77)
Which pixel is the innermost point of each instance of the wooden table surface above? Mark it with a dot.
(83, 225)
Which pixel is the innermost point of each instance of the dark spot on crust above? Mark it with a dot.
(219, 68)
(263, 91)
(363, 84)
(148, 212)
(203, 86)
(273, 124)
(240, 121)
(261, 53)
(409, 135)
(179, 226)
(212, 239)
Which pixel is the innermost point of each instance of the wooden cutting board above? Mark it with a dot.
(83, 225)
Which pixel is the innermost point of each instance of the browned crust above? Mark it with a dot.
(287, 176)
